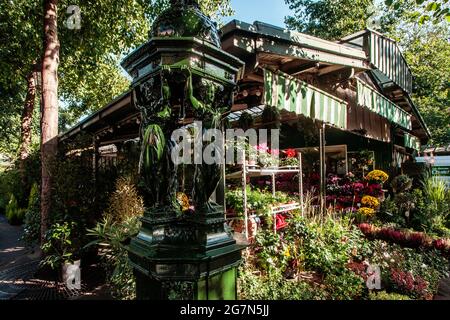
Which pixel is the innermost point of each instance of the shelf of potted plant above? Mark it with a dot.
(265, 169)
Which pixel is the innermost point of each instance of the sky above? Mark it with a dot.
(269, 11)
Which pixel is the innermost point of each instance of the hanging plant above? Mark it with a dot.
(246, 121)
(272, 116)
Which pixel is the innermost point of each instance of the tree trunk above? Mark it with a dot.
(26, 122)
(49, 117)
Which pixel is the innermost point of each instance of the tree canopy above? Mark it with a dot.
(329, 19)
(89, 71)
(428, 56)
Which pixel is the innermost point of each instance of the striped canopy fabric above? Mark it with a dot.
(293, 95)
(412, 142)
(387, 57)
(374, 101)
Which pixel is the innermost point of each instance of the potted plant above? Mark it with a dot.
(62, 250)
(267, 158)
(290, 158)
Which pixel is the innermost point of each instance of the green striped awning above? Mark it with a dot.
(374, 101)
(412, 142)
(288, 93)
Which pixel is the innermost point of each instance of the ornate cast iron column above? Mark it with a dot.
(180, 76)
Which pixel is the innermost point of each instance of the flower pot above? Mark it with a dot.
(71, 275)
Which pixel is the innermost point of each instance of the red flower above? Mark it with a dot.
(406, 282)
(366, 228)
(290, 153)
(374, 190)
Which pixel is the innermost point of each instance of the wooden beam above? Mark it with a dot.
(254, 77)
(330, 69)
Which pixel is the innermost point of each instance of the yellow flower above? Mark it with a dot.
(366, 211)
(377, 176)
(287, 253)
(183, 201)
(370, 202)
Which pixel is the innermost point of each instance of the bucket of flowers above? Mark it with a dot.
(377, 177)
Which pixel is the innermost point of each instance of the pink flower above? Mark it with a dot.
(262, 147)
(274, 152)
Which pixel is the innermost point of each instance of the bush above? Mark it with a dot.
(121, 221)
(125, 201)
(8, 185)
(254, 286)
(32, 229)
(14, 214)
(328, 246)
(11, 181)
(383, 295)
(345, 285)
(432, 207)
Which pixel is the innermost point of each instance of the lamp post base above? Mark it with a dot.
(220, 286)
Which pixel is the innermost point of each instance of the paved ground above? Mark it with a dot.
(12, 250)
(16, 262)
(20, 279)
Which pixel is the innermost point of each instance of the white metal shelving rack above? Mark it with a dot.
(255, 171)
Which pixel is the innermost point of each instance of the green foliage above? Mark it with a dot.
(328, 259)
(427, 55)
(383, 295)
(434, 207)
(32, 228)
(273, 253)
(14, 213)
(426, 209)
(435, 11)
(401, 183)
(89, 72)
(62, 244)
(11, 182)
(258, 201)
(245, 121)
(345, 285)
(109, 237)
(121, 221)
(326, 246)
(329, 19)
(254, 286)
(8, 182)
(390, 212)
